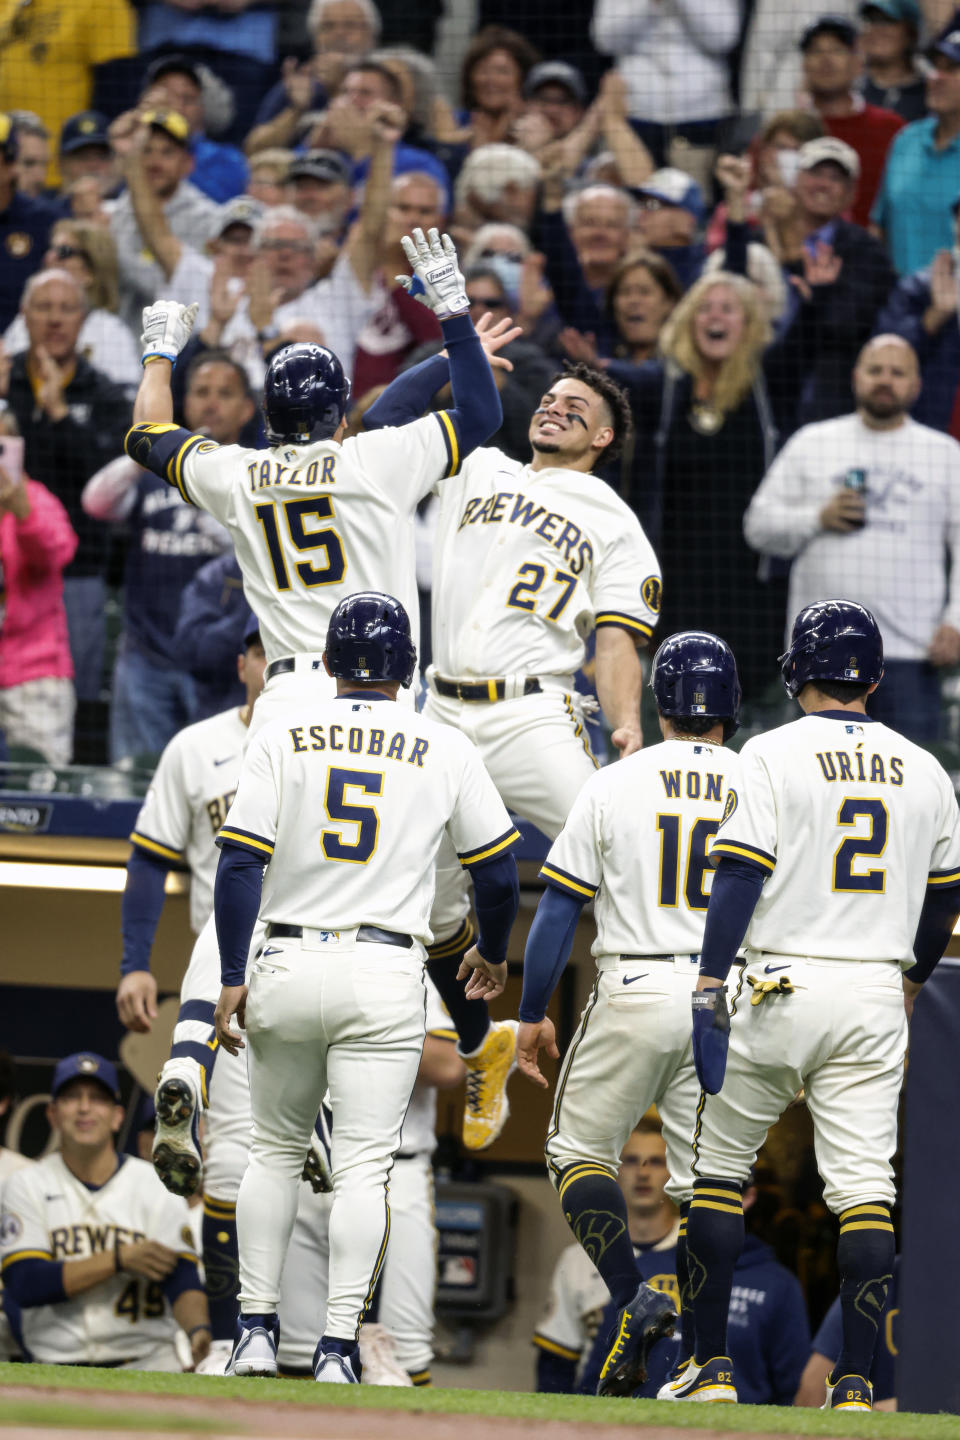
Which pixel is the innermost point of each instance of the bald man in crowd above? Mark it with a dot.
(867, 506)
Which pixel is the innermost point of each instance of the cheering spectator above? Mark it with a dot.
(922, 175)
(640, 299)
(492, 76)
(87, 252)
(770, 70)
(708, 420)
(831, 65)
(497, 183)
(923, 310)
(49, 56)
(318, 184)
(97, 1255)
(175, 82)
(775, 168)
(556, 94)
(168, 542)
(73, 420)
(88, 170)
(160, 140)
(210, 629)
(670, 213)
(268, 172)
(24, 227)
(842, 272)
(342, 32)
(674, 61)
(584, 236)
(888, 40)
(33, 153)
(868, 506)
(399, 322)
(36, 687)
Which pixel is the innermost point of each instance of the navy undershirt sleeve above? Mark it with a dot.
(937, 919)
(496, 893)
(477, 412)
(548, 950)
(409, 396)
(184, 1277)
(236, 904)
(141, 908)
(733, 897)
(34, 1282)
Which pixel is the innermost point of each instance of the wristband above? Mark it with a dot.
(116, 1255)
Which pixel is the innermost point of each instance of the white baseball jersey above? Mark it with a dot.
(527, 563)
(851, 822)
(638, 840)
(895, 564)
(49, 1214)
(313, 523)
(349, 799)
(188, 800)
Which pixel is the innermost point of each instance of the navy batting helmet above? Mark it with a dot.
(305, 394)
(695, 674)
(833, 640)
(368, 638)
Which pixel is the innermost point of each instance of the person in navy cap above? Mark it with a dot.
(98, 1258)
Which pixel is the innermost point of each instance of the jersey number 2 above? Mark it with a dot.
(701, 833)
(364, 817)
(295, 512)
(845, 880)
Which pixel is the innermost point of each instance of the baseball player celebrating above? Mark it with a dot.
(529, 559)
(636, 842)
(839, 858)
(346, 800)
(96, 1255)
(314, 517)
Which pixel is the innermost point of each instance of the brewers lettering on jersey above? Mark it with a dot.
(346, 801)
(636, 843)
(839, 857)
(529, 561)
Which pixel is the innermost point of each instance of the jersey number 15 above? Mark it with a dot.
(295, 514)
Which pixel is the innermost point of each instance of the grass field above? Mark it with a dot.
(107, 1386)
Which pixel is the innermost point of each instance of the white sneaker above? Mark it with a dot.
(329, 1368)
(255, 1347)
(216, 1359)
(380, 1363)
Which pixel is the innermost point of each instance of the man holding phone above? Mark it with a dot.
(36, 672)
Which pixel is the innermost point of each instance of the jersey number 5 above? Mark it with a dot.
(364, 817)
(295, 513)
(701, 833)
(873, 882)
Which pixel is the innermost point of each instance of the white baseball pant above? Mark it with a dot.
(631, 1050)
(538, 755)
(347, 1017)
(841, 1037)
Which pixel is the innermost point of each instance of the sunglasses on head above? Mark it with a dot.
(69, 252)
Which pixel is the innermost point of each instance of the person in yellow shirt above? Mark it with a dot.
(48, 50)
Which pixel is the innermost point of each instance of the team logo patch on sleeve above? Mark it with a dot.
(729, 807)
(186, 1237)
(652, 592)
(11, 1228)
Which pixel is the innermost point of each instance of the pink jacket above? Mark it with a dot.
(33, 632)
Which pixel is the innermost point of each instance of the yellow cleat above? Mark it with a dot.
(488, 1071)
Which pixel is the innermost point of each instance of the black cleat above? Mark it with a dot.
(648, 1318)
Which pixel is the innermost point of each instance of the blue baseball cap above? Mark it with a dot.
(674, 187)
(948, 41)
(251, 631)
(89, 127)
(897, 10)
(85, 1066)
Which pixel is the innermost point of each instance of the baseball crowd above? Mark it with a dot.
(721, 208)
(744, 217)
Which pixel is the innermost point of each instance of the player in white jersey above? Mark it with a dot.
(347, 800)
(839, 858)
(636, 843)
(97, 1256)
(398, 1349)
(529, 560)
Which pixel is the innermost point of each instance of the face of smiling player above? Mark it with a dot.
(569, 427)
(86, 1116)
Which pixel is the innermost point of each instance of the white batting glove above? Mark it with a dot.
(436, 281)
(166, 329)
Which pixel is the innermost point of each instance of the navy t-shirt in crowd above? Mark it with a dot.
(168, 542)
(24, 235)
